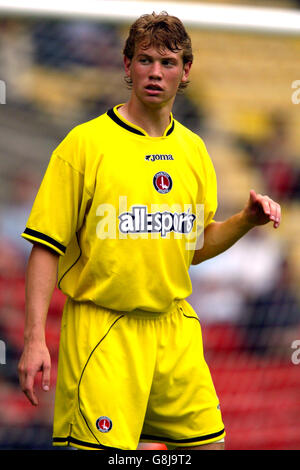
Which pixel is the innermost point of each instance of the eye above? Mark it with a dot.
(144, 60)
(168, 62)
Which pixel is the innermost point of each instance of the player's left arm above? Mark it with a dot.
(219, 236)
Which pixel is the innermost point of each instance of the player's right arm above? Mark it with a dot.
(41, 277)
(56, 216)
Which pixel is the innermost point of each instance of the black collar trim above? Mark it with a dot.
(171, 128)
(121, 123)
(112, 114)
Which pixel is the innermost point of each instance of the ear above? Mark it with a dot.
(127, 63)
(186, 72)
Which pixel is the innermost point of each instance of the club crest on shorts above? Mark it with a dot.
(162, 182)
(104, 424)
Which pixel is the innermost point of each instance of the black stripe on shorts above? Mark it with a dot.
(182, 441)
(71, 440)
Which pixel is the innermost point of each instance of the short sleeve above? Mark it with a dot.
(55, 214)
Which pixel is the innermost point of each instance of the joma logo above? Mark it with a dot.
(152, 158)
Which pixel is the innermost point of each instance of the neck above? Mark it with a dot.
(154, 120)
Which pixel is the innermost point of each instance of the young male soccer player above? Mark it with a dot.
(115, 214)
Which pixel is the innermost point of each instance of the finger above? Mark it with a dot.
(272, 210)
(265, 205)
(28, 389)
(46, 377)
(275, 212)
(277, 216)
(22, 377)
(253, 196)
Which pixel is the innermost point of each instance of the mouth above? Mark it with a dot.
(151, 88)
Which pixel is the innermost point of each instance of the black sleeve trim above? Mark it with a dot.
(41, 236)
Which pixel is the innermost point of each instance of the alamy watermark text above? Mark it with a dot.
(2, 92)
(296, 94)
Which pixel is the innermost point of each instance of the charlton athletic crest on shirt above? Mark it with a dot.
(104, 424)
(162, 182)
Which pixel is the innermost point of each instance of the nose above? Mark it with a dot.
(155, 71)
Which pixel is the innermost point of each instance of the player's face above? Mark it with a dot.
(156, 75)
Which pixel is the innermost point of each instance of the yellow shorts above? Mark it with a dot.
(130, 377)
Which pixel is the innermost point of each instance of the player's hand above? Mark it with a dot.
(261, 209)
(35, 358)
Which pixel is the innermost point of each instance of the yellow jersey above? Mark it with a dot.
(125, 211)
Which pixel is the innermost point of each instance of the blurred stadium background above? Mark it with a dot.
(62, 71)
